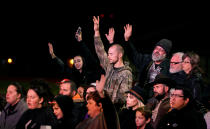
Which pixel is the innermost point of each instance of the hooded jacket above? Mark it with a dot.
(118, 80)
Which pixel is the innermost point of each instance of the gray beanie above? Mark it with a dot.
(165, 44)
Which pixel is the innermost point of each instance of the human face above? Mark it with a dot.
(12, 97)
(158, 54)
(65, 89)
(80, 91)
(159, 89)
(33, 100)
(113, 55)
(177, 100)
(78, 62)
(89, 90)
(187, 67)
(57, 110)
(93, 109)
(175, 64)
(140, 120)
(131, 101)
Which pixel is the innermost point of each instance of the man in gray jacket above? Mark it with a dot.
(118, 74)
(14, 108)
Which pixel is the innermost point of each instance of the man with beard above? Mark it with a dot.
(159, 103)
(148, 65)
(118, 73)
(176, 72)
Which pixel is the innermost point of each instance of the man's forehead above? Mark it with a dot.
(177, 91)
(175, 57)
(65, 84)
(112, 48)
(158, 85)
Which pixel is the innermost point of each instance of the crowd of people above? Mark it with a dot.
(102, 93)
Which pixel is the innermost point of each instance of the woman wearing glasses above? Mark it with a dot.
(194, 73)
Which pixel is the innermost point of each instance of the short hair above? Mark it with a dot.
(73, 86)
(180, 54)
(119, 48)
(85, 89)
(19, 88)
(186, 91)
(95, 96)
(145, 111)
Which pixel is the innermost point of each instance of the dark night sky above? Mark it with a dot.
(26, 30)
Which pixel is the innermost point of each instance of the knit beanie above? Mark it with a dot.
(165, 44)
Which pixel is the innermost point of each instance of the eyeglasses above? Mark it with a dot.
(186, 62)
(176, 95)
(175, 62)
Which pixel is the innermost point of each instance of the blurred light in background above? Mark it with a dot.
(70, 62)
(9, 61)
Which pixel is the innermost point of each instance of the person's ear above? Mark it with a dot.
(186, 101)
(19, 96)
(166, 88)
(41, 100)
(73, 93)
(148, 120)
(120, 54)
(101, 107)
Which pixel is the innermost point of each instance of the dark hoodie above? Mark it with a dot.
(118, 80)
(66, 105)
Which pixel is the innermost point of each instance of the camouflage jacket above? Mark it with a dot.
(118, 80)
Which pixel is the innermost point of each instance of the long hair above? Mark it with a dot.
(195, 62)
(83, 60)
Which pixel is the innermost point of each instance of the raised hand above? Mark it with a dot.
(96, 25)
(78, 34)
(110, 35)
(51, 50)
(100, 85)
(128, 32)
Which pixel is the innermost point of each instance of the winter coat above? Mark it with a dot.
(35, 118)
(143, 62)
(91, 70)
(179, 77)
(9, 118)
(163, 109)
(185, 118)
(87, 76)
(127, 118)
(194, 83)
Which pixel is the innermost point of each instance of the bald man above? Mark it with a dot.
(118, 73)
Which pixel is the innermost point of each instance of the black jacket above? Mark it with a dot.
(33, 119)
(143, 62)
(127, 119)
(185, 118)
(91, 70)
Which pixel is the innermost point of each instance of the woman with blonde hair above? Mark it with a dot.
(135, 99)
